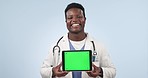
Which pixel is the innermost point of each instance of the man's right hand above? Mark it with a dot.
(58, 72)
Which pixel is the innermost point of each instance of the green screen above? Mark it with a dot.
(79, 60)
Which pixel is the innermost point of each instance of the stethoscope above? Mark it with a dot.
(57, 47)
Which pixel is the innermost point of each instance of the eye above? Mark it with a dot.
(79, 16)
(69, 17)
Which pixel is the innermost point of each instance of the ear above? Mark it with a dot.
(85, 18)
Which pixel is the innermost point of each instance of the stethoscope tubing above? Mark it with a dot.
(59, 49)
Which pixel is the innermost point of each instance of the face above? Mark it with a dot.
(75, 20)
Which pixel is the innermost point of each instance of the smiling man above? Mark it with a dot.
(75, 21)
(77, 39)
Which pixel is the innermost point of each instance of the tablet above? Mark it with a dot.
(77, 60)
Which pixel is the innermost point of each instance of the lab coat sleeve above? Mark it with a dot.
(109, 70)
(46, 67)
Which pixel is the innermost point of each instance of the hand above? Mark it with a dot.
(58, 72)
(95, 72)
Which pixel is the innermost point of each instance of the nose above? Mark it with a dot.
(74, 20)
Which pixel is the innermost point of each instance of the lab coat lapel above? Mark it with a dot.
(88, 43)
(64, 45)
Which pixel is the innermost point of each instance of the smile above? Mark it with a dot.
(75, 25)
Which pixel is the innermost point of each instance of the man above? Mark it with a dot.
(77, 39)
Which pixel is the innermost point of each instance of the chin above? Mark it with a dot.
(75, 32)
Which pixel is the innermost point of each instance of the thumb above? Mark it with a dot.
(59, 65)
(94, 66)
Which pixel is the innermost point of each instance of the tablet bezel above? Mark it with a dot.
(90, 60)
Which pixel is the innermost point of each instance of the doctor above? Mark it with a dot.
(77, 39)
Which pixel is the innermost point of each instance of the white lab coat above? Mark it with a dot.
(103, 59)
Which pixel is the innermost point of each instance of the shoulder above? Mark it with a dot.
(98, 43)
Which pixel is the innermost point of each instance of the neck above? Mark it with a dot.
(76, 37)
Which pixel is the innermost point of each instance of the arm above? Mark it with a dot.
(109, 70)
(46, 68)
(50, 67)
(105, 67)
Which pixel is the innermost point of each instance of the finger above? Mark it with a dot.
(95, 67)
(63, 73)
(60, 64)
(89, 75)
(66, 71)
(57, 68)
(89, 72)
(92, 73)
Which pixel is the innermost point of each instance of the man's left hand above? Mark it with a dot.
(95, 72)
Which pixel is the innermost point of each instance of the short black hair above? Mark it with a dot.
(75, 5)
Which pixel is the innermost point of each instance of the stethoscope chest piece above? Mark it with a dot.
(94, 53)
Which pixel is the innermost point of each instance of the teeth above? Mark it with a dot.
(75, 25)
